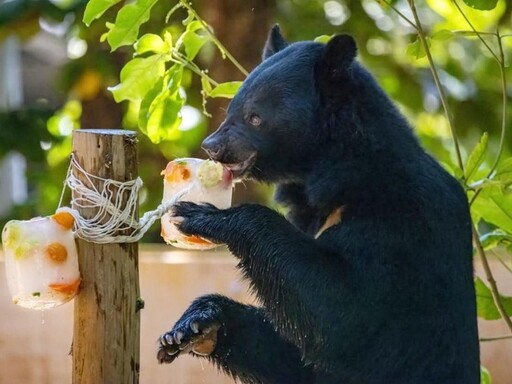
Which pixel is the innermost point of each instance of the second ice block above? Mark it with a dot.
(204, 181)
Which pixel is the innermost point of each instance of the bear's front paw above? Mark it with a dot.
(197, 219)
(195, 334)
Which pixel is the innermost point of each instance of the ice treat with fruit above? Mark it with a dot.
(199, 181)
(41, 260)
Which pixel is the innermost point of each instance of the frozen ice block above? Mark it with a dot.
(198, 181)
(41, 261)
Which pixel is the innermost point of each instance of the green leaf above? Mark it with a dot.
(452, 169)
(477, 156)
(227, 90)
(96, 8)
(207, 87)
(495, 238)
(159, 115)
(128, 21)
(494, 205)
(323, 39)
(137, 77)
(193, 39)
(504, 171)
(416, 50)
(486, 309)
(485, 376)
(442, 35)
(482, 5)
(151, 43)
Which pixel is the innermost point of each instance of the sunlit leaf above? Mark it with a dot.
(486, 309)
(146, 102)
(323, 38)
(485, 376)
(227, 90)
(128, 21)
(168, 39)
(494, 205)
(159, 115)
(477, 156)
(452, 169)
(137, 77)
(495, 238)
(416, 50)
(482, 5)
(504, 171)
(151, 43)
(193, 39)
(442, 35)
(96, 8)
(454, 20)
(207, 87)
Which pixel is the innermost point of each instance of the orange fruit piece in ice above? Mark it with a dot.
(176, 172)
(65, 219)
(57, 252)
(197, 240)
(68, 289)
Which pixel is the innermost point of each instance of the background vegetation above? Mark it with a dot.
(167, 69)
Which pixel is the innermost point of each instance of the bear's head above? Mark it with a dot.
(275, 124)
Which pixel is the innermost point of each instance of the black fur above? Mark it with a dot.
(385, 297)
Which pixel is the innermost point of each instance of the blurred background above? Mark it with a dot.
(54, 74)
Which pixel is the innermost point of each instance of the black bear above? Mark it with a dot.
(370, 279)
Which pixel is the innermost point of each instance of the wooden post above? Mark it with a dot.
(106, 320)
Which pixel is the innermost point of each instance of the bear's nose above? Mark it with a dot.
(212, 146)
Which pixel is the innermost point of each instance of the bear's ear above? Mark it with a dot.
(338, 54)
(275, 42)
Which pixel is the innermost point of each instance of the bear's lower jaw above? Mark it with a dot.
(241, 169)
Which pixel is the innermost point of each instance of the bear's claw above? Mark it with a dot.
(190, 336)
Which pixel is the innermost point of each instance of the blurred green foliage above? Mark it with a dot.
(173, 45)
(166, 48)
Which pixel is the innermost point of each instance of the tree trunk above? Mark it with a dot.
(242, 26)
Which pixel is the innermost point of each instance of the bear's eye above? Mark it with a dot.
(255, 120)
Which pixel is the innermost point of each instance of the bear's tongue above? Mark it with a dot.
(240, 169)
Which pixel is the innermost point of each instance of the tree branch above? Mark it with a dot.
(444, 101)
(497, 338)
(490, 278)
(221, 47)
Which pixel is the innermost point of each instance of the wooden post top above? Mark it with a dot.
(103, 131)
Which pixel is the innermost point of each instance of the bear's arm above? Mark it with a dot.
(249, 348)
(282, 263)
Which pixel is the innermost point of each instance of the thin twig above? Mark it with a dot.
(465, 32)
(483, 339)
(440, 89)
(405, 18)
(223, 49)
(478, 34)
(503, 105)
(490, 278)
(178, 59)
(501, 63)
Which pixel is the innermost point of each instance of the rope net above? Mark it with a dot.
(114, 206)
